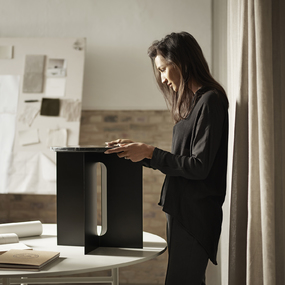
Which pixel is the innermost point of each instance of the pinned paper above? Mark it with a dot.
(6, 52)
(48, 168)
(56, 67)
(50, 107)
(29, 113)
(27, 137)
(70, 109)
(25, 174)
(34, 74)
(55, 87)
(57, 137)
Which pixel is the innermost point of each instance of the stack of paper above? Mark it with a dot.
(10, 241)
(10, 233)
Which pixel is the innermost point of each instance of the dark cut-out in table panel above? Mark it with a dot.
(124, 203)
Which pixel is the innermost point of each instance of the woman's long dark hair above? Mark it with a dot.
(184, 53)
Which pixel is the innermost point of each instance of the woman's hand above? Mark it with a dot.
(118, 142)
(130, 150)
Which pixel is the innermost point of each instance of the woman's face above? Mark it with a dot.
(168, 73)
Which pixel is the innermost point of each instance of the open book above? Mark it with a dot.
(10, 241)
(31, 260)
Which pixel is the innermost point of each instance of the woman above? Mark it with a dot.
(195, 184)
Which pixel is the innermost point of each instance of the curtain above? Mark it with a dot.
(256, 88)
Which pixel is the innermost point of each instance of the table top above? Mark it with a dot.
(73, 261)
(79, 148)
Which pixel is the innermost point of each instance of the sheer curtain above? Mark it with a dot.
(256, 46)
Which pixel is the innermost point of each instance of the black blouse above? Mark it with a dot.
(195, 184)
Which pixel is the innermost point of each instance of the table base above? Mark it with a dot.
(113, 279)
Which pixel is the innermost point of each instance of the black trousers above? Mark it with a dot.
(187, 259)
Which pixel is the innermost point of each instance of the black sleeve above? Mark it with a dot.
(203, 148)
(146, 162)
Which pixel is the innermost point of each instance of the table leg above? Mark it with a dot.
(115, 275)
(23, 282)
(6, 281)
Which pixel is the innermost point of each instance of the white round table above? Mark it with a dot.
(73, 261)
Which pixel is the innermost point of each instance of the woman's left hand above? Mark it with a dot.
(133, 151)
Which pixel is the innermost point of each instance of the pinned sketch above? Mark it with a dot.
(29, 113)
(55, 87)
(56, 137)
(70, 109)
(6, 52)
(30, 136)
(50, 107)
(56, 67)
(34, 74)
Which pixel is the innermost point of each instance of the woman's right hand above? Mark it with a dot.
(118, 142)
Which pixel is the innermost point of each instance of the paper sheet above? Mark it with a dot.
(23, 173)
(23, 229)
(55, 87)
(9, 246)
(26, 174)
(57, 137)
(56, 67)
(34, 74)
(48, 169)
(70, 109)
(30, 136)
(6, 52)
(29, 113)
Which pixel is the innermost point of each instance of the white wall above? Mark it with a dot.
(118, 74)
